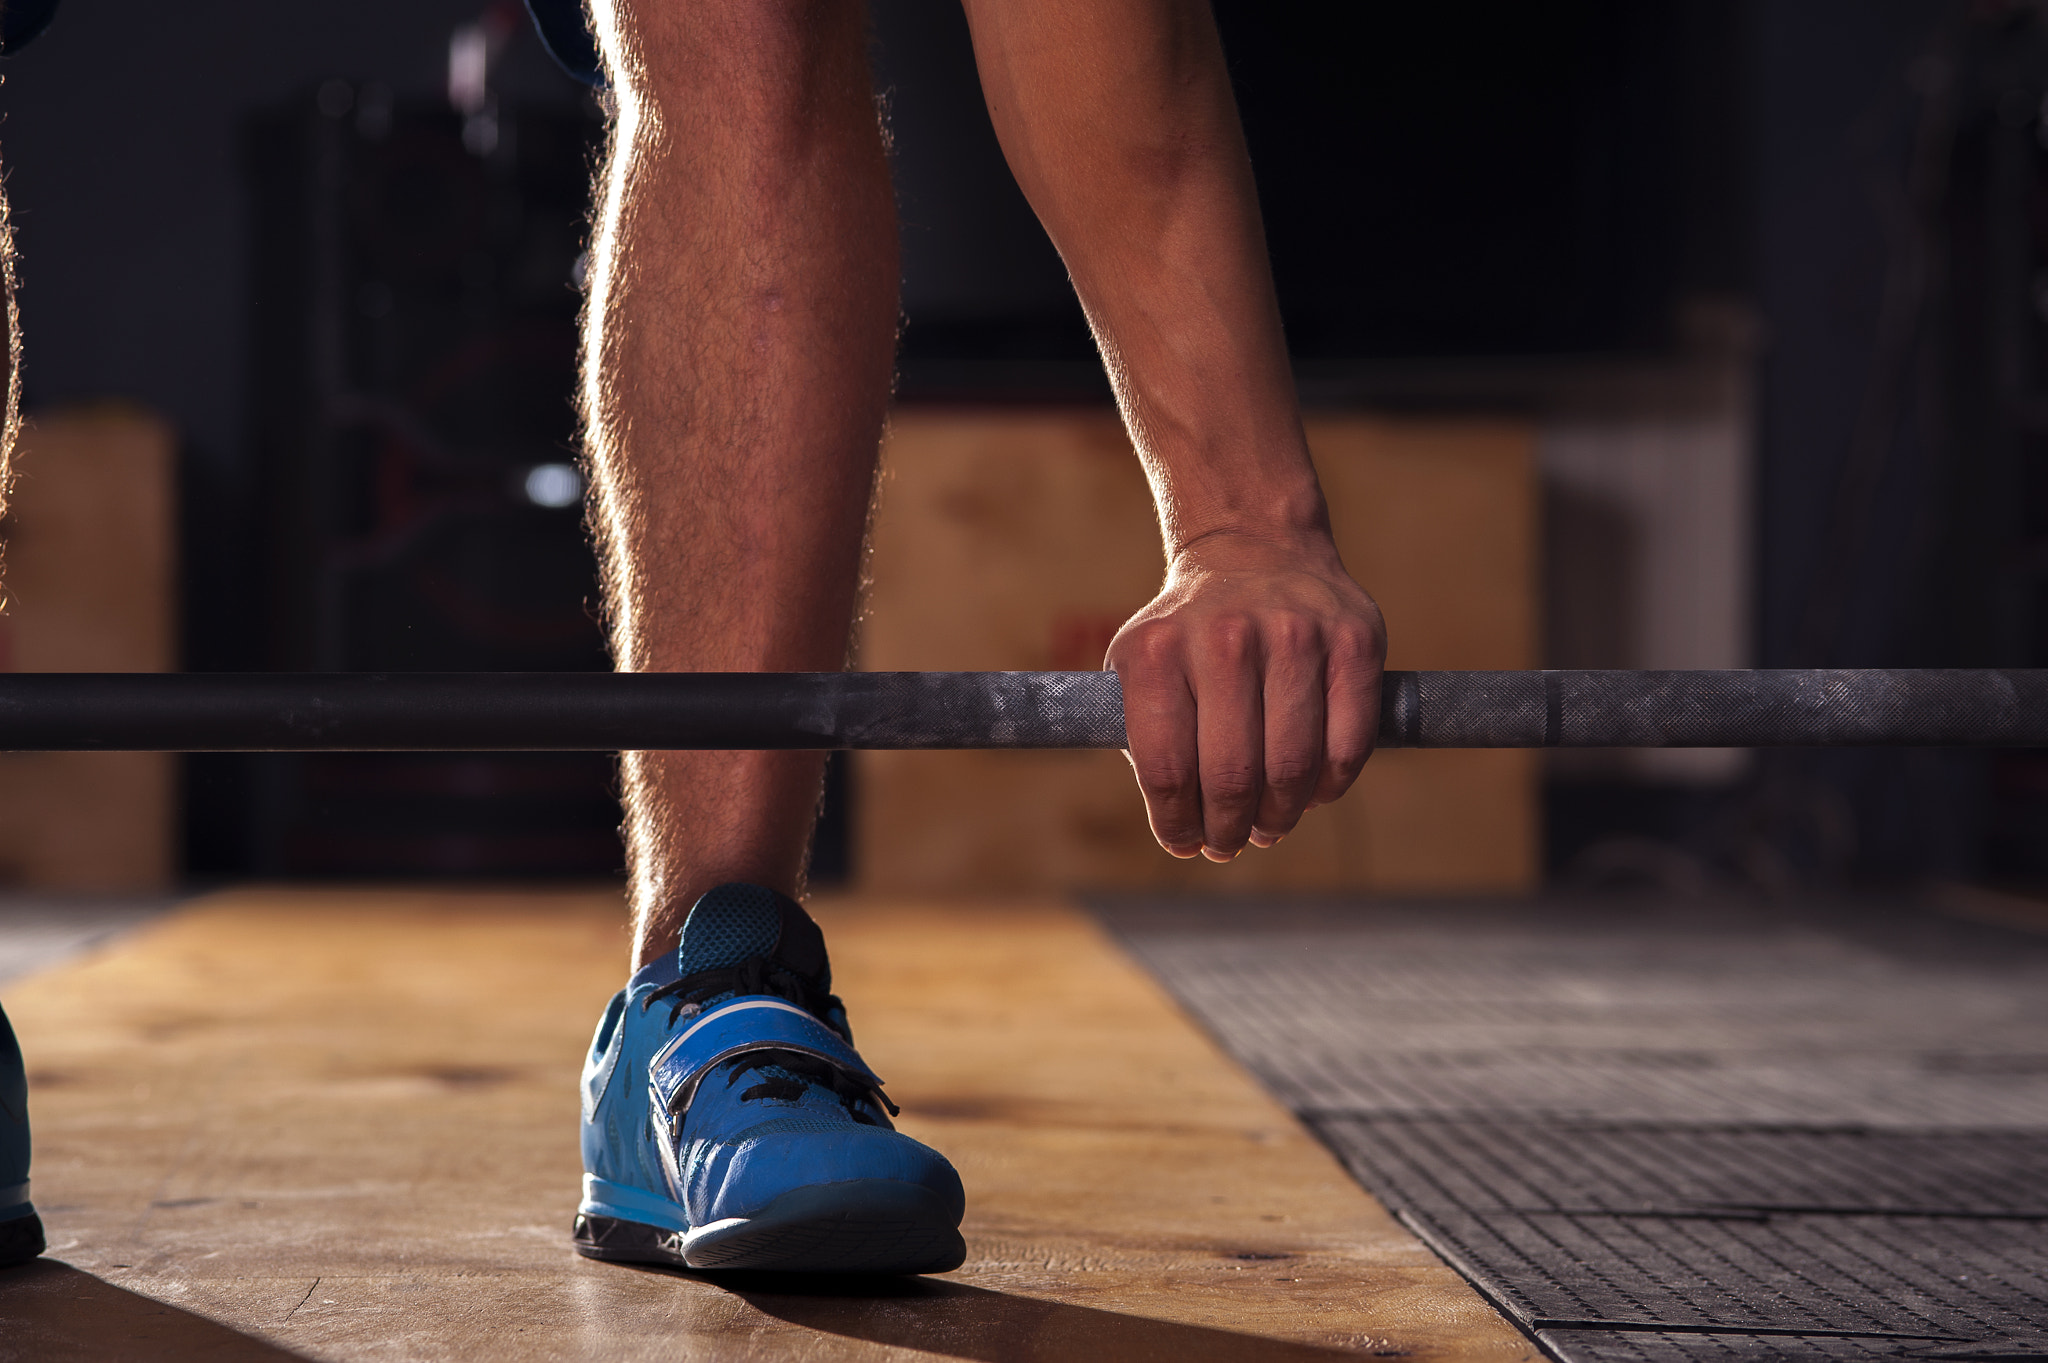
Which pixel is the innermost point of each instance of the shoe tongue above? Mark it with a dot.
(736, 922)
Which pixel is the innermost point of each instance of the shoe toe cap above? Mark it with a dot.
(739, 1177)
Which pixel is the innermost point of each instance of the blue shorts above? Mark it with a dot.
(563, 31)
(21, 20)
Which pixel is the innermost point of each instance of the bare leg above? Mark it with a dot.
(737, 356)
(10, 414)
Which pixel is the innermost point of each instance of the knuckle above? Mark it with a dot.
(1231, 784)
(1230, 636)
(1356, 643)
(1343, 768)
(1294, 634)
(1164, 780)
(1292, 774)
(1152, 644)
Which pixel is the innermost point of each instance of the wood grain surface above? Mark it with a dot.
(89, 581)
(342, 1125)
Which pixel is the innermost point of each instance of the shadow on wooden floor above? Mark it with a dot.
(958, 1321)
(51, 1312)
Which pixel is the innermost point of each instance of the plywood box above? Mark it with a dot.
(1023, 540)
(89, 579)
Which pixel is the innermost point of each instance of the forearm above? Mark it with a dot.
(1118, 121)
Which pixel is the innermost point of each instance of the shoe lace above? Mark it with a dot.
(755, 975)
(688, 996)
(799, 1073)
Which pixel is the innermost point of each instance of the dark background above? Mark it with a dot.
(1489, 182)
(1445, 181)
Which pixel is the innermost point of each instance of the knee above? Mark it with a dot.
(770, 63)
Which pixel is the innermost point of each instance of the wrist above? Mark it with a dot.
(1297, 519)
(1231, 548)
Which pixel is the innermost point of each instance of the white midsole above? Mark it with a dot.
(710, 1226)
(601, 1197)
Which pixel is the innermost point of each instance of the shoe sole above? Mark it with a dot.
(21, 1239)
(859, 1226)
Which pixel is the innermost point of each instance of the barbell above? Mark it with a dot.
(604, 711)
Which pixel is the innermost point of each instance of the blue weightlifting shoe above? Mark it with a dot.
(728, 1123)
(21, 1232)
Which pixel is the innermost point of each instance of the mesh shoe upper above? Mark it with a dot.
(734, 923)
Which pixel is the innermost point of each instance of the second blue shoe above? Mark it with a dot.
(728, 1122)
(21, 1233)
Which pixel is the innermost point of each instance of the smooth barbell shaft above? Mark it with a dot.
(601, 711)
(558, 711)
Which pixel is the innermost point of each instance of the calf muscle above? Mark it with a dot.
(739, 340)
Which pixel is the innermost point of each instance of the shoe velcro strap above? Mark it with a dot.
(737, 1026)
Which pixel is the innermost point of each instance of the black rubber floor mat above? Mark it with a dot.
(1670, 1135)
